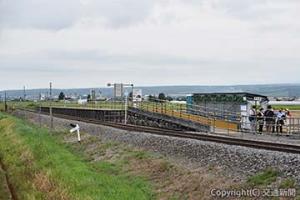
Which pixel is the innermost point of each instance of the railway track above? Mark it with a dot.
(281, 147)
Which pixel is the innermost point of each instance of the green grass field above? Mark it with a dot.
(290, 107)
(40, 166)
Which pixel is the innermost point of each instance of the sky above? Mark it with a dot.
(89, 43)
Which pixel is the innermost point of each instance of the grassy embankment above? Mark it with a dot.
(40, 166)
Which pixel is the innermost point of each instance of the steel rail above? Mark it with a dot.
(257, 144)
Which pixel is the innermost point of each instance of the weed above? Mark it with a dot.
(264, 178)
(288, 183)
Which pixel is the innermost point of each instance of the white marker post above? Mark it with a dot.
(76, 128)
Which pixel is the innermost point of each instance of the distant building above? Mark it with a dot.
(93, 95)
(137, 95)
(43, 97)
(82, 101)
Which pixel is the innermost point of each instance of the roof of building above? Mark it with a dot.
(241, 94)
(233, 93)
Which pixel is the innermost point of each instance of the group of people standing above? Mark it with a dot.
(271, 119)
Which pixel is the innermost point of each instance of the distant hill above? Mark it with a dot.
(276, 90)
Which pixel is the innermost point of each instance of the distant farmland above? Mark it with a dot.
(292, 105)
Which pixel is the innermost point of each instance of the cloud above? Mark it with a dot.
(149, 41)
(105, 58)
(265, 14)
(119, 13)
(40, 14)
(61, 14)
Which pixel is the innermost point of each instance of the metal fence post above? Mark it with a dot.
(153, 107)
(126, 107)
(298, 125)
(289, 126)
(255, 126)
(180, 108)
(214, 125)
(165, 107)
(228, 126)
(294, 129)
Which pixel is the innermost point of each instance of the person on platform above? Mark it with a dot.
(260, 120)
(280, 118)
(270, 119)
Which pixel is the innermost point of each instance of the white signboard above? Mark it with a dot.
(137, 95)
(245, 124)
(244, 108)
(257, 98)
(118, 90)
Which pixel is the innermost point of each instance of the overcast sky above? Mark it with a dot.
(88, 43)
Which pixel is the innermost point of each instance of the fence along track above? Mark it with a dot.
(281, 147)
(227, 122)
(218, 123)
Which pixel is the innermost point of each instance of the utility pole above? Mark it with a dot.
(131, 92)
(24, 93)
(5, 102)
(50, 107)
(40, 110)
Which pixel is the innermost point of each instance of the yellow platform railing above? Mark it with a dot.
(179, 111)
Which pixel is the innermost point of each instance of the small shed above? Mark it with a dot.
(229, 106)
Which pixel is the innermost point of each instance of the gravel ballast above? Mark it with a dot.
(233, 160)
